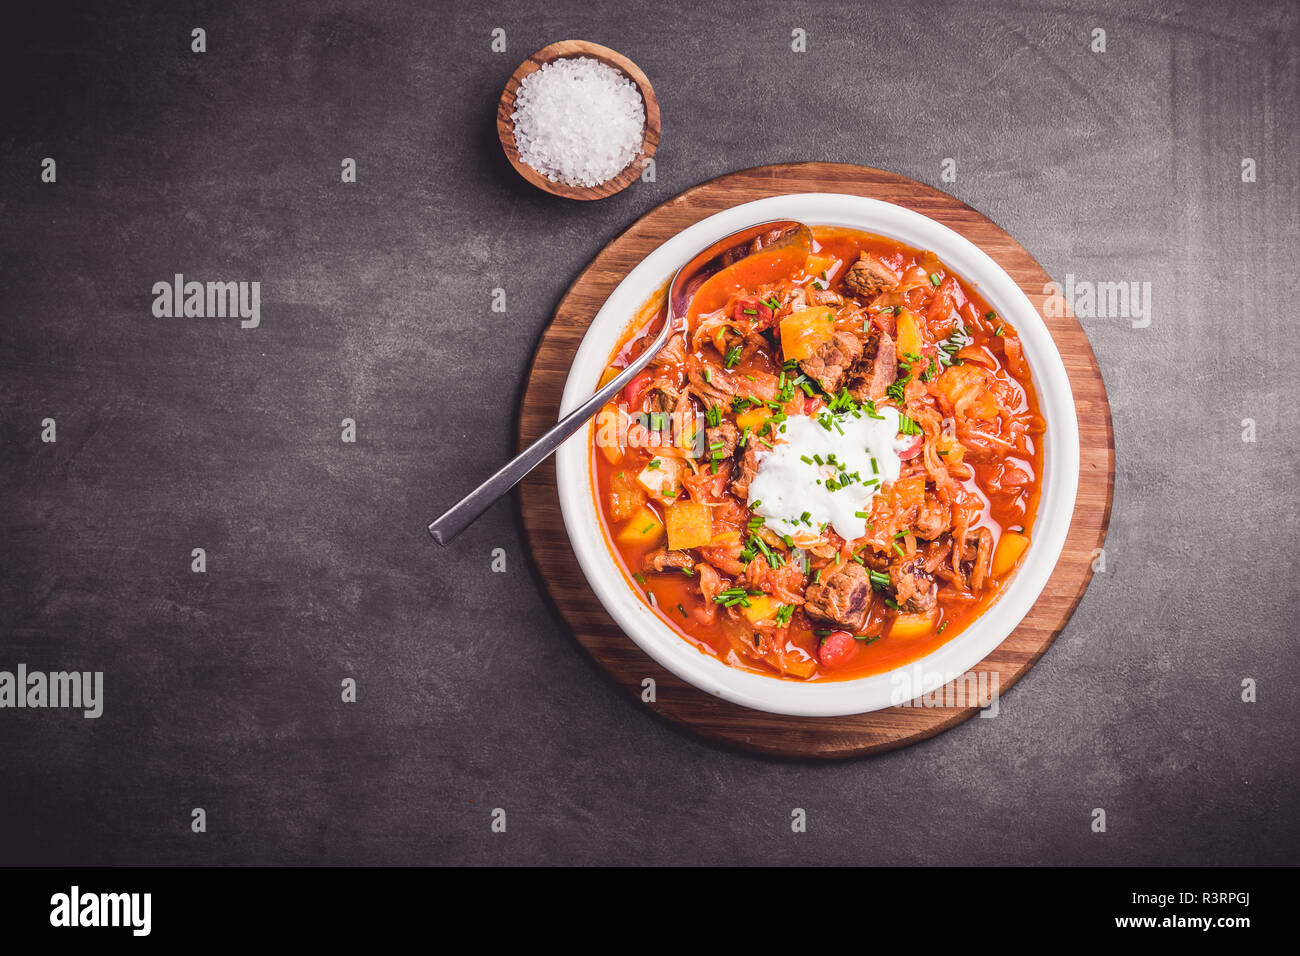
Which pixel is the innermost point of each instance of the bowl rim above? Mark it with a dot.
(1061, 456)
(568, 49)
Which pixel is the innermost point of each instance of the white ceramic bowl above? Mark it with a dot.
(826, 698)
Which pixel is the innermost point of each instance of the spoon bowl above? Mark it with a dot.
(767, 238)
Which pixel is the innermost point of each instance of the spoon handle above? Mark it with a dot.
(462, 514)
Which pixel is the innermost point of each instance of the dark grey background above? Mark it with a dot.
(223, 689)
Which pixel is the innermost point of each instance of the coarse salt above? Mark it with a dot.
(578, 121)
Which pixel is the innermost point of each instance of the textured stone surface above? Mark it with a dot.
(223, 688)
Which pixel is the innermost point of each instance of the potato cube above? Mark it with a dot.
(643, 528)
(611, 433)
(662, 477)
(625, 496)
(907, 626)
(803, 332)
(909, 336)
(1010, 547)
(690, 525)
(819, 264)
(761, 608)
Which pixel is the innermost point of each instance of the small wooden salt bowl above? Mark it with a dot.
(575, 48)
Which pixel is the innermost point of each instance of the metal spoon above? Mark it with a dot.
(720, 255)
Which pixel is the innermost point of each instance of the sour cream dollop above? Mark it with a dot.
(825, 471)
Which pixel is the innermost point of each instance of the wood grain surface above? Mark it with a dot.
(620, 657)
(574, 48)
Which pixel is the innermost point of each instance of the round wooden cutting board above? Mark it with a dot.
(816, 737)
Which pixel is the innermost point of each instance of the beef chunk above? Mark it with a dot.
(661, 559)
(934, 520)
(868, 277)
(712, 385)
(875, 561)
(832, 361)
(663, 397)
(876, 369)
(914, 590)
(843, 597)
(746, 469)
(726, 435)
(673, 354)
(704, 389)
(825, 297)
